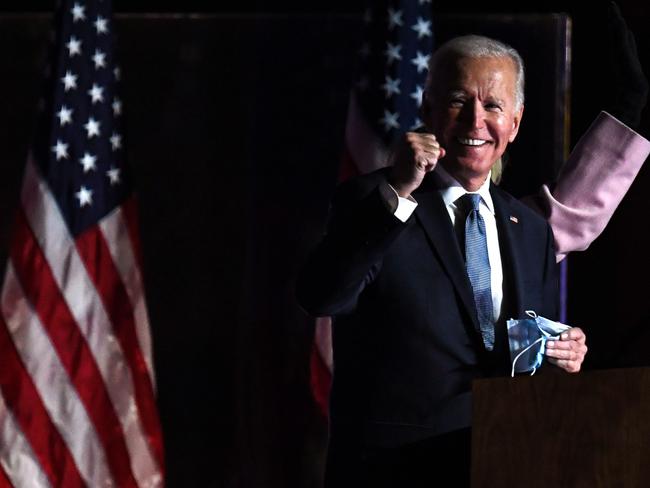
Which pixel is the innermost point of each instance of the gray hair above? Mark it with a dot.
(473, 46)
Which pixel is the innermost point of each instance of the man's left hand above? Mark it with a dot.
(569, 351)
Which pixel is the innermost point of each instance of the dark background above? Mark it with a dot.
(230, 207)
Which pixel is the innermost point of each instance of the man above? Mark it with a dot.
(419, 311)
(591, 183)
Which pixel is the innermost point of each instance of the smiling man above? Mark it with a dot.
(476, 115)
(422, 265)
(473, 104)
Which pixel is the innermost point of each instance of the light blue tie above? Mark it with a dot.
(478, 267)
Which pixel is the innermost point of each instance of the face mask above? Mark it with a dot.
(527, 338)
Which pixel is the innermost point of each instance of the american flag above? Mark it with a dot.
(77, 399)
(384, 103)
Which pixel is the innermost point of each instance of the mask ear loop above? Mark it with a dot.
(514, 361)
(532, 315)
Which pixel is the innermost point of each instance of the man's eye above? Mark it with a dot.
(456, 102)
(493, 107)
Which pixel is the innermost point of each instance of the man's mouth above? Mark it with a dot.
(466, 141)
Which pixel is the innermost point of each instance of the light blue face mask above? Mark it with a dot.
(527, 338)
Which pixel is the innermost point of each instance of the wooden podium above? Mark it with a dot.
(559, 430)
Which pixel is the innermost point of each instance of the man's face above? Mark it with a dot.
(473, 113)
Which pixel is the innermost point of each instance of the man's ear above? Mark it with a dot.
(516, 121)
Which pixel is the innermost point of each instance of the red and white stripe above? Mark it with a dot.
(77, 404)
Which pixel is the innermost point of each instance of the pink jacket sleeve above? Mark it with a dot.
(591, 184)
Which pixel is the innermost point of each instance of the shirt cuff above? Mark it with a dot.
(400, 207)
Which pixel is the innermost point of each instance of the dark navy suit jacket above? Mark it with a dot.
(405, 334)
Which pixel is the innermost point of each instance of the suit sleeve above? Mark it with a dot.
(360, 231)
(591, 184)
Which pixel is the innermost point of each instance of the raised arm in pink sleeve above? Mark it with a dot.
(591, 184)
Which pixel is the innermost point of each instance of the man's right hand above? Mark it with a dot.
(416, 155)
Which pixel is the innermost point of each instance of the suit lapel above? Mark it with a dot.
(511, 239)
(432, 215)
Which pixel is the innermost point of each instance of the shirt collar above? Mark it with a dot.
(451, 190)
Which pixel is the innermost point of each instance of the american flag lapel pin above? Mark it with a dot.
(514, 219)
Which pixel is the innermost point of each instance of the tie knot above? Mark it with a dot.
(470, 201)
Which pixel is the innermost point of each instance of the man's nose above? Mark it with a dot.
(473, 115)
